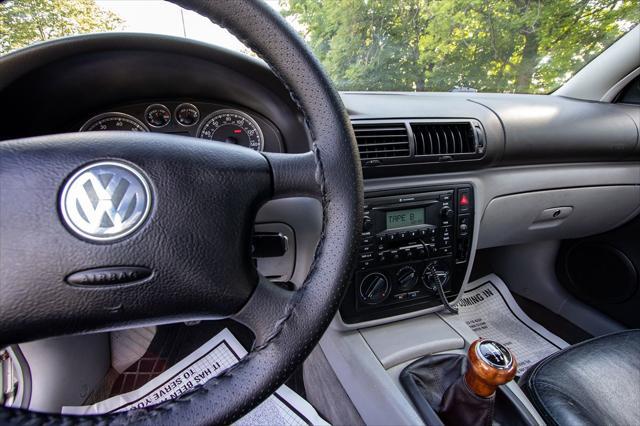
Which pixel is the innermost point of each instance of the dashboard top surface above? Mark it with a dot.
(55, 87)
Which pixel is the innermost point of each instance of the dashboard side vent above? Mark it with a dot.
(382, 140)
(444, 139)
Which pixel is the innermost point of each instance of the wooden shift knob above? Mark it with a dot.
(489, 365)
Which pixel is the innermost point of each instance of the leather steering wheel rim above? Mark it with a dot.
(298, 325)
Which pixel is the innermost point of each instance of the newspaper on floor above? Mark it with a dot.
(488, 307)
(284, 407)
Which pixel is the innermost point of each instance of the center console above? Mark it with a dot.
(412, 241)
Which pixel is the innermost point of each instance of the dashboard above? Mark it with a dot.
(204, 120)
(518, 159)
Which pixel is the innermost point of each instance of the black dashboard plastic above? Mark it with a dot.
(64, 82)
(520, 129)
(61, 83)
(554, 129)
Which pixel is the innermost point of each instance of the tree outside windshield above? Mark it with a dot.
(512, 46)
(523, 46)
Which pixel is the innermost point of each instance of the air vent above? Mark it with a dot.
(382, 140)
(444, 139)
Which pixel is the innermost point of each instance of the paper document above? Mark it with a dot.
(489, 309)
(284, 407)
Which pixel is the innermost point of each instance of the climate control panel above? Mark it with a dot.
(411, 243)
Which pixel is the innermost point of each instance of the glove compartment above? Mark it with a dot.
(557, 214)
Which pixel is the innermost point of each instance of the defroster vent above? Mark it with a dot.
(382, 140)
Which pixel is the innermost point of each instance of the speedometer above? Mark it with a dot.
(232, 126)
(113, 121)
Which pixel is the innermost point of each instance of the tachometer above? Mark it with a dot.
(113, 121)
(232, 126)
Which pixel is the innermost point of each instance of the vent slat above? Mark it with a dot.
(365, 145)
(443, 138)
(382, 141)
(387, 150)
(359, 137)
(379, 129)
(460, 142)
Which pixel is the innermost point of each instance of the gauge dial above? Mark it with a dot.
(157, 115)
(113, 121)
(234, 127)
(187, 114)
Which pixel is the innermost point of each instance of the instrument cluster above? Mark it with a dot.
(208, 121)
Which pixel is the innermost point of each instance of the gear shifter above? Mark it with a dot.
(470, 399)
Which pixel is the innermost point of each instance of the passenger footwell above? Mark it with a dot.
(488, 307)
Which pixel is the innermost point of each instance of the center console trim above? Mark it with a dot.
(437, 184)
(432, 236)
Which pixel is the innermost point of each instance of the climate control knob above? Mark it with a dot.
(407, 278)
(434, 272)
(374, 288)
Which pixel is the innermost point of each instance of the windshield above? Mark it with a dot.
(506, 46)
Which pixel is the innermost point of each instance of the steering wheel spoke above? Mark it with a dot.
(266, 309)
(295, 174)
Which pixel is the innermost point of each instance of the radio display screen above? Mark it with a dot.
(405, 218)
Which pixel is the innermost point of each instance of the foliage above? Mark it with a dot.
(527, 46)
(23, 22)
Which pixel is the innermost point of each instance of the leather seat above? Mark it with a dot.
(594, 382)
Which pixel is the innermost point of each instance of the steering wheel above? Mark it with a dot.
(183, 233)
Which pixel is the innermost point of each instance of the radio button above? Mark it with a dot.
(394, 255)
(445, 251)
(400, 296)
(365, 256)
(366, 264)
(367, 224)
(463, 224)
(444, 236)
(445, 197)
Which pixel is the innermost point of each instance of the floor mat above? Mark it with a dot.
(212, 358)
(490, 310)
(553, 322)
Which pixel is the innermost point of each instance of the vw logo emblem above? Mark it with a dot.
(105, 201)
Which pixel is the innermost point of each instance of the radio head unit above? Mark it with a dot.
(409, 241)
